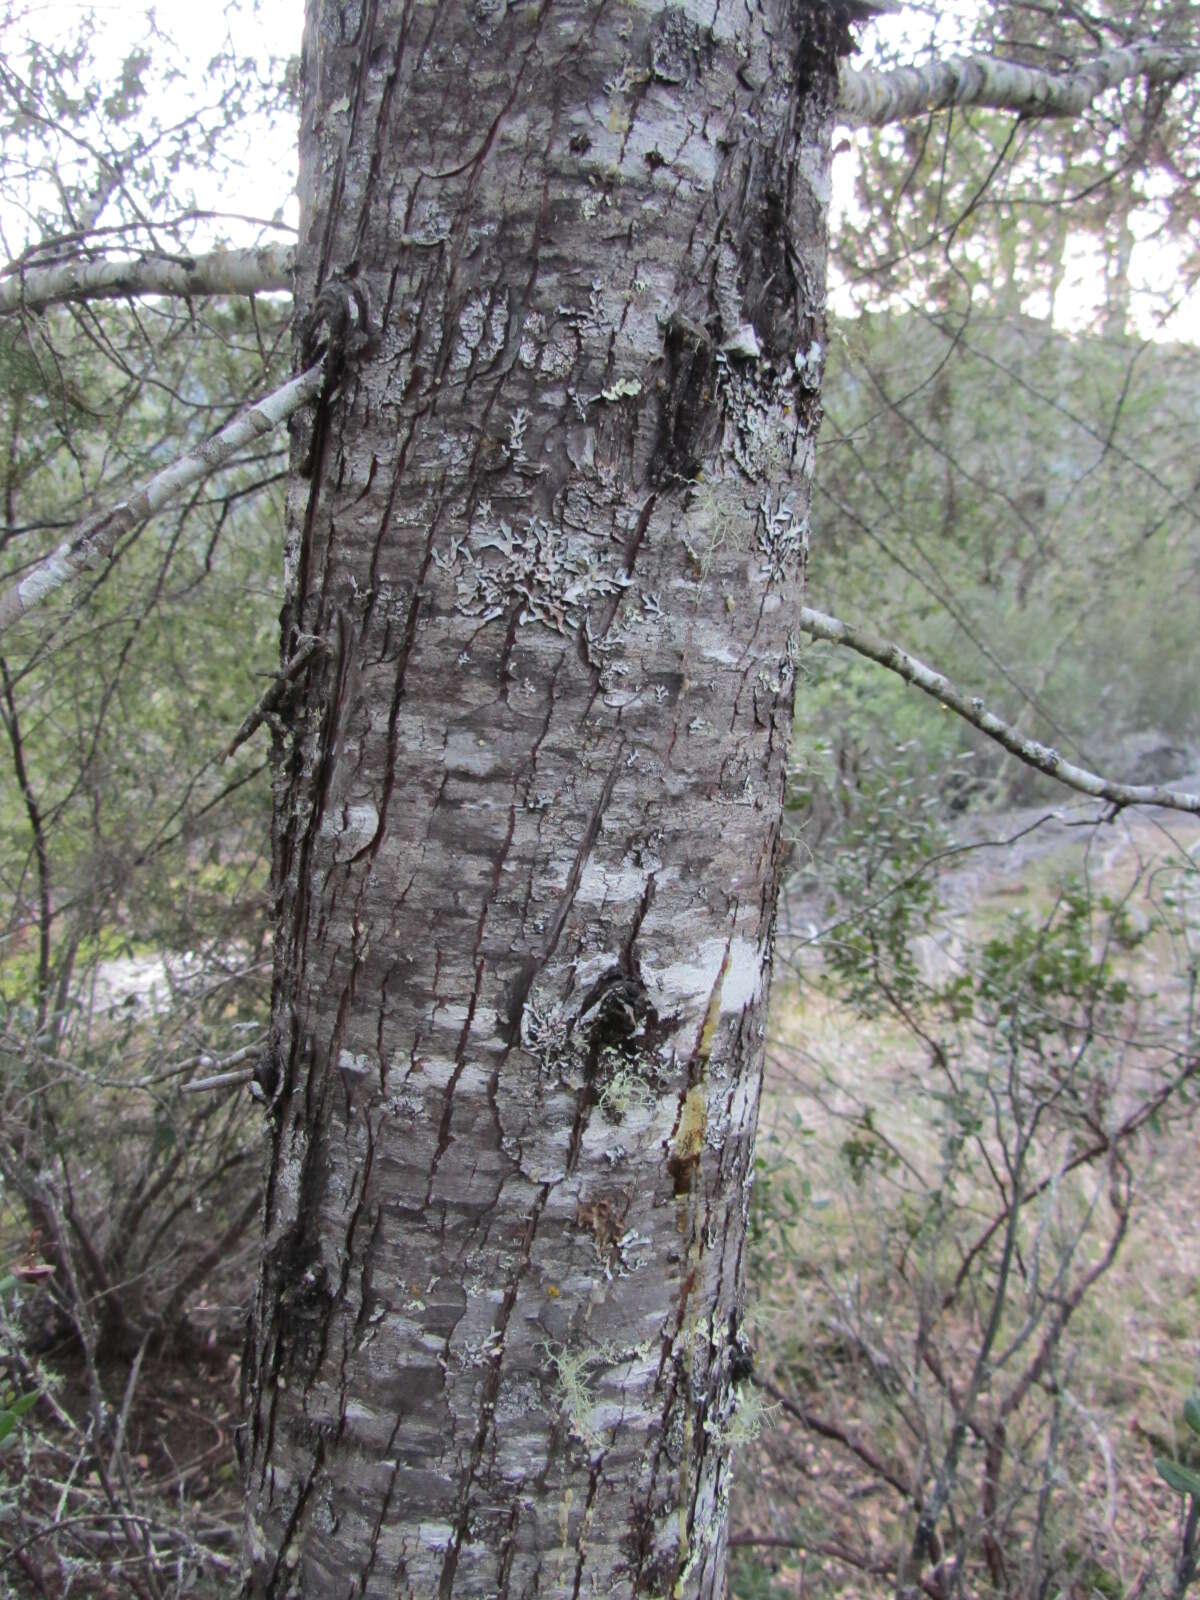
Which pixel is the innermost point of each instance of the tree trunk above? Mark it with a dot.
(550, 521)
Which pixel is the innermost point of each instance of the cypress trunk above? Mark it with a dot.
(549, 521)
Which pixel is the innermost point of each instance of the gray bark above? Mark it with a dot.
(550, 521)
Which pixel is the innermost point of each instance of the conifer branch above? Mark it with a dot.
(93, 540)
(256, 271)
(876, 98)
(818, 625)
(262, 269)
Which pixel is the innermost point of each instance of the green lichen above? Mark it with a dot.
(624, 1091)
(749, 1416)
(572, 1389)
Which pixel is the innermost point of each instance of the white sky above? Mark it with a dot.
(263, 28)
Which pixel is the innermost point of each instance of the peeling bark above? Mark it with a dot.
(550, 521)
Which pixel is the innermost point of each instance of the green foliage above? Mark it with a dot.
(133, 860)
(865, 1150)
(1183, 1477)
(880, 881)
(1031, 215)
(134, 950)
(13, 1408)
(781, 1197)
(1180, 1478)
(1182, 1470)
(13, 1404)
(133, 863)
(750, 1578)
(87, 143)
(123, 697)
(1041, 976)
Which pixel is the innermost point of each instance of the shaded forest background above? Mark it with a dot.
(982, 1076)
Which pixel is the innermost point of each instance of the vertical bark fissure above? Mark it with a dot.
(488, 1400)
(527, 830)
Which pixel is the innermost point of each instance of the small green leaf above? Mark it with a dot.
(1191, 1414)
(14, 1410)
(1182, 1479)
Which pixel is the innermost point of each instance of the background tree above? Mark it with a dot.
(1046, 455)
(135, 954)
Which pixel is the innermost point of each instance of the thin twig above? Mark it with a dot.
(972, 709)
(219, 1080)
(274, 695)
(94, 539)
(839, 1434)
(126, 1403)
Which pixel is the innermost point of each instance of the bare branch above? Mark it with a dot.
(219, 1080)
(261, 270)
(92, 540)
(879, 97)
(274, 696)
(268, 267)
(820, 626)
(840, 1433)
